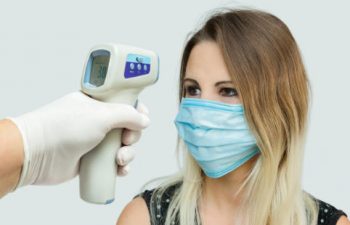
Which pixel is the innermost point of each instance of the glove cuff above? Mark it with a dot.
(31, 132)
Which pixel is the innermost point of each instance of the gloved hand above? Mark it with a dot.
(129, 137)
(57, 135)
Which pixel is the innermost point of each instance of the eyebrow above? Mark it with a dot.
(216, 84)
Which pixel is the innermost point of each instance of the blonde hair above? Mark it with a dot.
(267, 69)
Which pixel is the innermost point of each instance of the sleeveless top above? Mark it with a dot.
(328, 214)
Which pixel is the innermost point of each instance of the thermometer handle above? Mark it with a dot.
(98, 170)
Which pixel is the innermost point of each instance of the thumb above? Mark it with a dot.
(125, 116)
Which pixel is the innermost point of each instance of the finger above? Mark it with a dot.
(142, 108)
(125, 155)
(130, 137)
(125, 116)
(123, 170)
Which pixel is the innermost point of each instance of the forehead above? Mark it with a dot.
(206, 62)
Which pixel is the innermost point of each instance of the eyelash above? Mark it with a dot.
(190, 88)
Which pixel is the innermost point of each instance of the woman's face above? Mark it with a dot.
(207, 77)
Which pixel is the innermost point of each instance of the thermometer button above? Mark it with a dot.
(139, 66)
(132, 66)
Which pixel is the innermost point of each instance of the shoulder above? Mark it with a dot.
(135, 212)
(150, 206)
(141, 208)
(330, 215)
(343, 220)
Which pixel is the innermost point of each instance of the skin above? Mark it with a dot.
(11, 156)
(207, 77)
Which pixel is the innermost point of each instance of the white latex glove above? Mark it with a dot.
(127, 153)
(57, 135)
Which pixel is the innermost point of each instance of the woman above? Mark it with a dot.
(242, 122)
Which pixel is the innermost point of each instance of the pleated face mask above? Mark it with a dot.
(216, 134)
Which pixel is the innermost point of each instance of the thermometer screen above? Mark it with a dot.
(99, 69)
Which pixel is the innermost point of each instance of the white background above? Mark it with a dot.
(43, 45)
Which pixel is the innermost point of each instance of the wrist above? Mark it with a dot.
(11, 155)
(31, 131)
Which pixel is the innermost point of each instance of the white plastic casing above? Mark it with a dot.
(98, 169)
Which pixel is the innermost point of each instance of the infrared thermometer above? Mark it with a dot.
(113, 73)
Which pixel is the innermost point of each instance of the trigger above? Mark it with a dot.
(137, 102)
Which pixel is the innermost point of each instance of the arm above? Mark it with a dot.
(49, 142)
(11, 156)
(136, 212)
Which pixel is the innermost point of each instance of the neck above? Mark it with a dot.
(221, 192)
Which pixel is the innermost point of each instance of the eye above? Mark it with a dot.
(228, 92)
(192, 90)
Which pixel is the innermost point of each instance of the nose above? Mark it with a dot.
(209, 94)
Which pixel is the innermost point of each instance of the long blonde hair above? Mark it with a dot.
(267, 69)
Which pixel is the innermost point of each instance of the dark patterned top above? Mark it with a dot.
(328, 214)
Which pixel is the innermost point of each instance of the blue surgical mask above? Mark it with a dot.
(216, 134)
